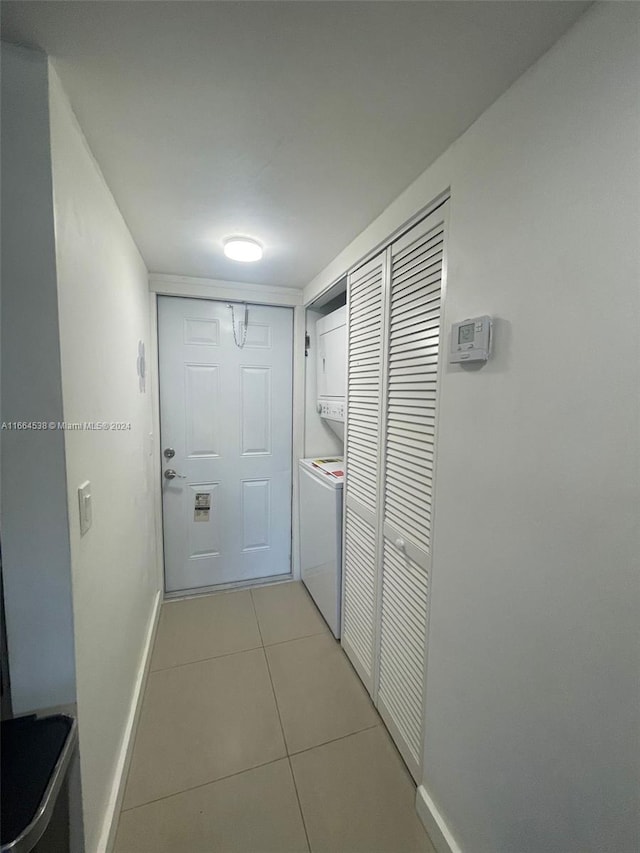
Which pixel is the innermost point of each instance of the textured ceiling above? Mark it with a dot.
(296, 123)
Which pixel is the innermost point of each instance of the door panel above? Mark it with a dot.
(255, 410)
(256, 514)
(410, 399)
(226, 411)
(202, 405)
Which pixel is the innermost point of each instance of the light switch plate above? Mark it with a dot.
(84, 505)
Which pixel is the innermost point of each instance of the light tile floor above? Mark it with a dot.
(256, 736)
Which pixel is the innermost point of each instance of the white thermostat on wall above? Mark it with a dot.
(471, 340)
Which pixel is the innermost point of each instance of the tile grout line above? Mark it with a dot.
(293, 775)
(262, 645)
(211, 657)
(286, 746)
(273, 689)
(204, 784)
(334, 740)
(255, 613)
(295, 639)
(295, 788)
(275, 698)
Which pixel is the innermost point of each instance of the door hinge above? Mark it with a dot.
(307, 343)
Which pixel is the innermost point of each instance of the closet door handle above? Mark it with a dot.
(400, 544)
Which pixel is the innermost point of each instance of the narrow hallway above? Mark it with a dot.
(256, 735)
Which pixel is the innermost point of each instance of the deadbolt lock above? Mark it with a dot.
(169, 453)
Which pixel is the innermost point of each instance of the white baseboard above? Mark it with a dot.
(433, 822)
(114, 803)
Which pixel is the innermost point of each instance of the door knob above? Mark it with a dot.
(170, 474)
(400, 544)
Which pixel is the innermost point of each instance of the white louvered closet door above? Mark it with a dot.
(408, 457)
(366, 305)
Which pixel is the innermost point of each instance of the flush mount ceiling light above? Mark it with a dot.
(242, 249)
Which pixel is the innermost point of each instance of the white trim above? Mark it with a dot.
(107, 837)
(298, 427)
(212, 288)
(232, 586)
(297, 408)
(433, 822)
(407, 210)
(353, 658)
(153, 382)
(443, 361)
(378, 526)
(414, 766)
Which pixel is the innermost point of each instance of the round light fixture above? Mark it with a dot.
(242, 249)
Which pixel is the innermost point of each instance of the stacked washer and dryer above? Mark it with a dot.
(321, 479)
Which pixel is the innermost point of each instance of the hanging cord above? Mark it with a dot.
(244, 328)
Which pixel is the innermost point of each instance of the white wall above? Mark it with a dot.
(104, 312)
(532, 708)
(35, 536)
(532, 715)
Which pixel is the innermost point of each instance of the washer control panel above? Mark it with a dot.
(333, 410)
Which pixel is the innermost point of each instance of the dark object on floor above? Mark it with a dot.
(35, 758)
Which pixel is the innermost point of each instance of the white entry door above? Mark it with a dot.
(226, 422)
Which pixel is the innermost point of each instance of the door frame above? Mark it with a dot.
(223, 291)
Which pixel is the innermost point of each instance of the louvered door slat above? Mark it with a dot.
(412, 445)
(367, 298)
(422, 267)
(412, 333)
(414, 478)
(416, 253)
(362, 433)
(417, 483)
(430, 327)
(412, 383)
(425, 273)
(402, 650)
(427, 301)
(424, 286)
(362, 451)
(420, 259)
(411, 346)
(401, 424)
(361, 281)
(407, 490)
